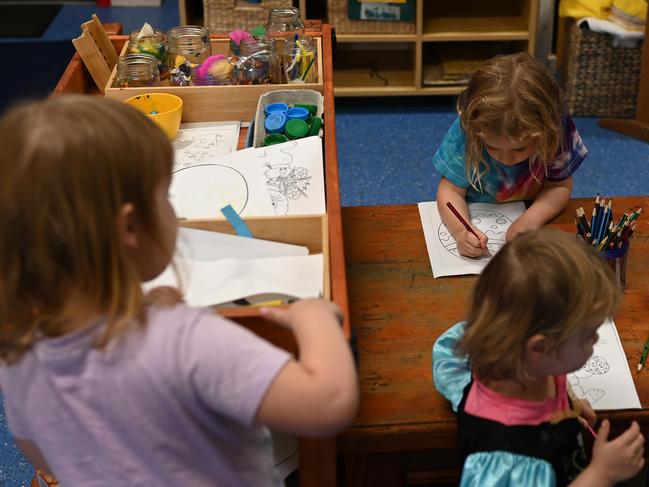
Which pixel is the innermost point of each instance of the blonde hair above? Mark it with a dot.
(543, 282)
(515, 96)
(67, 166)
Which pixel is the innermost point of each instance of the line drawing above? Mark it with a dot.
(492, 223)
(596, 365)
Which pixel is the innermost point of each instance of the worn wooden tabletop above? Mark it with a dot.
(398, 310)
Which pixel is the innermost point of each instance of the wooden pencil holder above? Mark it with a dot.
(617, 259)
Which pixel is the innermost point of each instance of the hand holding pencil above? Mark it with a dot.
(471, 242)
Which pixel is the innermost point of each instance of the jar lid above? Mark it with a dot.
(272, 139)
(297, 112)
(296, 128)
(314, 128)
(275, 123)
(275, 107)
(313, 109)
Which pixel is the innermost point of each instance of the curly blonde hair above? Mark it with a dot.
(515, 96)
(67, 166)
(542, 282)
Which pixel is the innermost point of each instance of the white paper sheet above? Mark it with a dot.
(295, 176)
(197, 143)
(222, 281)
(491, 219)
(605, 380)
(204, 245)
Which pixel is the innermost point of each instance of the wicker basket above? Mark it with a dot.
(600, 80)
(338, 17)
(226, 15)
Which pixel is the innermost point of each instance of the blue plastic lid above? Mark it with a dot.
(275, 107)
(275, 123)
(297, 112)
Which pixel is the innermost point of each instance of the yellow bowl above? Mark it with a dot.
(164, 108)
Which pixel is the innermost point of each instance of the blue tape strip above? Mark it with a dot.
(235, 220)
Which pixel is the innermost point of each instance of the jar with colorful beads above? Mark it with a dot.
(187, 47)
(137, 70)
(150, 41)
(258, 62)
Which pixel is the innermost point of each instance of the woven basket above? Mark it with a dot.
(225, 15)
(601, 80)
(338, 17)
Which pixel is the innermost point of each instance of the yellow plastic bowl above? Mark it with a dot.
(164, 108)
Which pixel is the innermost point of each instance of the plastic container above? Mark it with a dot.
(164, 109)
(617, 259)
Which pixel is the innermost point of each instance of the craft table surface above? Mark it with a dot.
(398, 310)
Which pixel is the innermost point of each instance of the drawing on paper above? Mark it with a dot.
(595, 365)
(492, 223)
(285, 180)
(220, 185)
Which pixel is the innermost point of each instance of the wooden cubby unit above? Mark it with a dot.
(482, 28)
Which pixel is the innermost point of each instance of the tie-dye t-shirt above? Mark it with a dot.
(508, 183)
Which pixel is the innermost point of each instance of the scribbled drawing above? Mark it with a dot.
(181, 144)
(194, 157)
(285, 180)
(595, 365)
(219, 186)
(492, 223)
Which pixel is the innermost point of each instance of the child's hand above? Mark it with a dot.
(587, 416)
(163, 296)
(618, 459)
(522, 224)
(469, 246)
(302, 311)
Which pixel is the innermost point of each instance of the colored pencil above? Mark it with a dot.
(462, 220)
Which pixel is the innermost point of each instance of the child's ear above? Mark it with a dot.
(125, 223)
(537, 347)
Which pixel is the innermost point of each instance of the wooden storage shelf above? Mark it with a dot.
(512, 23)
(474, 28)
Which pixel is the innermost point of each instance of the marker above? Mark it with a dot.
(643, 357)
(592, 431)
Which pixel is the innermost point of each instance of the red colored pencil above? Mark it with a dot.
(462, 220)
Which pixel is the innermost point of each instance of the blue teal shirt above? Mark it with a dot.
(503, 183)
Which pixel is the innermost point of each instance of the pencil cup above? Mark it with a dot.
(299, 63)
(616, 259)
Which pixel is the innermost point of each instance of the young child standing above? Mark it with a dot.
(533, 318)
(102, 385)
(512, 141)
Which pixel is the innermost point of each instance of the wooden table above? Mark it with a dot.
(405, 431)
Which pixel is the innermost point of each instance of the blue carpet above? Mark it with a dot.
(385, 151)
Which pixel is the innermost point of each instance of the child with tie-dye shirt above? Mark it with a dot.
(512, 141)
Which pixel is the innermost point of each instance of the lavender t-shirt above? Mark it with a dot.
(170, 405)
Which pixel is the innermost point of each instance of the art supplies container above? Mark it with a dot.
(163, 108)
(300, 60)
(137, 70)
(187, 47)
(617, 259)
(284, 22)
(258, 63)
(155, 45)
(214, 71)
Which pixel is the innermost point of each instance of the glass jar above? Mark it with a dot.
(187, 47)
(300, 61)
(155, 45)
(137, 70)
(258, 62)
(284, 22)
(216, 70)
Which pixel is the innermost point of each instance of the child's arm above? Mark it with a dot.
(613, 461)
(552, 198)
(467, 244)
(316, 395)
